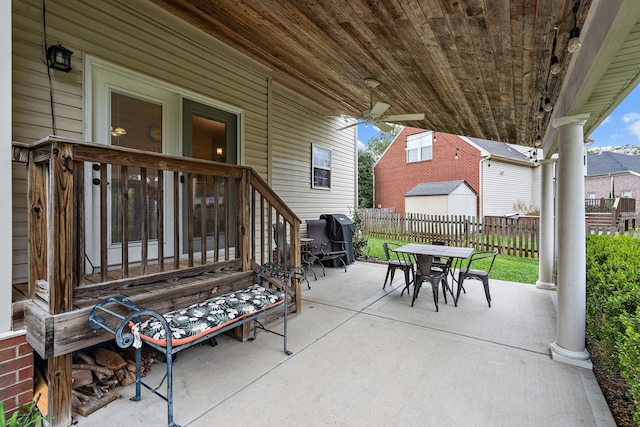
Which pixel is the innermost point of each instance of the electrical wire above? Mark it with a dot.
(460, 150)
(44, 30)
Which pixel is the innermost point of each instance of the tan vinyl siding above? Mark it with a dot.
(118, 34)
(183, 59)
(291, 159)
(19, 208)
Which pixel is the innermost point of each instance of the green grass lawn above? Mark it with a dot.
(506, 267)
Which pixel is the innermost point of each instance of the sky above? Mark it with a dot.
(622, 127)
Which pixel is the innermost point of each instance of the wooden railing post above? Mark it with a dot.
(37, 225)
(63, 257)
(614, 212)
(243, 230)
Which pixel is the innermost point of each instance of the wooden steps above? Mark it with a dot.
(605, 219)
(56, 335)
(600, 219)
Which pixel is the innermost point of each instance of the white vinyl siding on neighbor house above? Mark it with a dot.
(505, 184)
(158, 45)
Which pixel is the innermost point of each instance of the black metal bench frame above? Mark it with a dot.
(125, 338)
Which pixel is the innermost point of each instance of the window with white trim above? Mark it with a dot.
(419, 147)
(626, 193)
(321, 167)
(591, 195)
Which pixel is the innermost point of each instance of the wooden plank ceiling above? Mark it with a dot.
(474, 67)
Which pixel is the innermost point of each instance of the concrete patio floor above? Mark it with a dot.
(362, 356)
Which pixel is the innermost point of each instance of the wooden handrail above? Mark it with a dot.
(125, 186)
(623, 204)
(259, 184)
(614, 211)
(56, 193)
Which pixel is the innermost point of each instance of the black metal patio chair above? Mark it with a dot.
(397, 261)
(439, 263)
(483, 275)
(426, 273)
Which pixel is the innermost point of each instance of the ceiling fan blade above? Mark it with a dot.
(383, 126)
(350, 125)
(378, 109)
(403, 117)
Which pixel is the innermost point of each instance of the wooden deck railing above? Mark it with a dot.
(611, 212)
(618, 204)
(105, 219)
(140, 213)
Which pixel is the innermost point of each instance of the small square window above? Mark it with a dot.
(419, 147)
(321, 167)
(627, 193)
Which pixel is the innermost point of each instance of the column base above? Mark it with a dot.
(576, 358)
(546, 285)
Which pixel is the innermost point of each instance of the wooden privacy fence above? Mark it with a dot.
(509, 236)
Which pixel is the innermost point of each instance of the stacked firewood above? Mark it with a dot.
(94, 375)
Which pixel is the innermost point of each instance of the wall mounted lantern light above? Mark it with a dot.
(59, 57)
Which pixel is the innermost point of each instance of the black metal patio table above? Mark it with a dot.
(455, 253)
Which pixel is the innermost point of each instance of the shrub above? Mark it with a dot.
(25, 416)
(359, 239)
(524, 208)
(613, 300)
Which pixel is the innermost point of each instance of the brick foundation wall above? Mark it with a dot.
(16, 372)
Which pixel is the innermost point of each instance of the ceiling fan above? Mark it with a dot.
(374, 115)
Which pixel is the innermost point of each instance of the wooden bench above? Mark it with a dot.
(197, 323)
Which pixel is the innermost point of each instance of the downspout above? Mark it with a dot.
(480, 187)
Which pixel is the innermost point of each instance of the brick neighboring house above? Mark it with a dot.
(615, 173)
(501, 174)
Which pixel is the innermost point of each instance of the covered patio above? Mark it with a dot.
(288, 74)
(363, 356)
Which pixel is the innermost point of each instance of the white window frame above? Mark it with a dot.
(416, 145)
(319, 166)
(591, 195)
(626, 193)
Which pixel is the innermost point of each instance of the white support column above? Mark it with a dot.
(547, 222)
(6, 239)
(572, 297)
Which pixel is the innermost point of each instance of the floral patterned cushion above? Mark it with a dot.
(197, 320)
